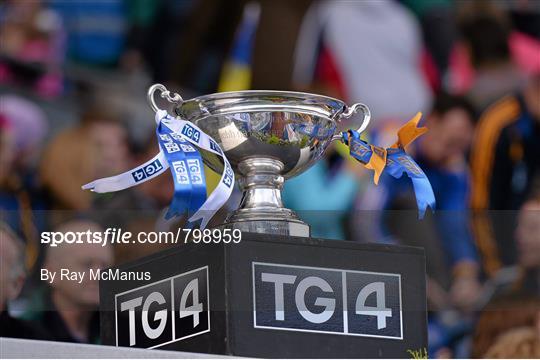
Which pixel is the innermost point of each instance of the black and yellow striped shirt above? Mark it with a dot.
(502, 154)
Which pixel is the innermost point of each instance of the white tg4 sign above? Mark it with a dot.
(324, 300)
(165, 311)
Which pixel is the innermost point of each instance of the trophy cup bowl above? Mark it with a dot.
(268, 137)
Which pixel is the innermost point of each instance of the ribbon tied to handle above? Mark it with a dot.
(179, 142)
(394, 160)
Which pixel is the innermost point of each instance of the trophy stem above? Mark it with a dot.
(261, 183)
(261, 209)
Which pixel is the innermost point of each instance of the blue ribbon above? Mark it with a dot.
(397, 163)
(187, 170)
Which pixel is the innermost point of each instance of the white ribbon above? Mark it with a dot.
(147, 171)
(158, 164)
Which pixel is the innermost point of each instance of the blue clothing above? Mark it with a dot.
(11, 210)
(451, 217)
(96, 29)
(323, 201)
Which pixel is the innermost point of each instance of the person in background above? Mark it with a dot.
(388, 213)
(439, 30)
(505, 160)
(527, 235)
(23, 128)
(514, 300)
(331, 55)
(451, 255)
(12, 276)
(328, 60)
(156, 33)
(500, 315)
(207, 29)
(67, 309)
(279, 20)
(521, 343)
(32, 51)
(95, 148)
(485, 33)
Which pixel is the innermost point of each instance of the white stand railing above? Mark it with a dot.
(28, 349)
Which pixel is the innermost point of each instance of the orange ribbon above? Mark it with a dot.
(406, 135)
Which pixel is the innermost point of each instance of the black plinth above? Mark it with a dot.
(272, 296)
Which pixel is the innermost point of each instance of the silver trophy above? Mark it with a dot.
(268, 137)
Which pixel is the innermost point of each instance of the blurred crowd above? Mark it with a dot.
(73, 78)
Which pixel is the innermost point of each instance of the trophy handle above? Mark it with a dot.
(350, 111)
(164, 93)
